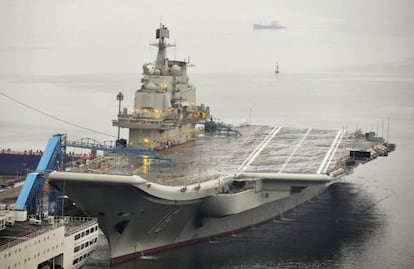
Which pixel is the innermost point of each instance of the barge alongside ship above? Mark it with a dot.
(200, 185)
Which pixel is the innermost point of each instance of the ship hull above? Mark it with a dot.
(136, 223)
(18, 163)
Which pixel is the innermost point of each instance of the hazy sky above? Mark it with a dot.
(94, 36)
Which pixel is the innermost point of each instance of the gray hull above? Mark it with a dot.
(136, 223)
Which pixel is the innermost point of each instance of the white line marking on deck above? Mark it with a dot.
(333, 152)
(329, 152)
(259, 148)
(295, 150)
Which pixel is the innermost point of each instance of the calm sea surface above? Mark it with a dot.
(344, 64)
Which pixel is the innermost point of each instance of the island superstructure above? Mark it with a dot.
(165, 110)
(202, 185)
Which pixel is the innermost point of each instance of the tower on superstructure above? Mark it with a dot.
(165, 110)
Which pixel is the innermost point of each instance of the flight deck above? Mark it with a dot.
(259, 149)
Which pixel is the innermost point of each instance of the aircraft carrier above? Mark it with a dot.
(183, 176)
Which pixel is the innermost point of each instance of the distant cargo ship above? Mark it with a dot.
(273, 25)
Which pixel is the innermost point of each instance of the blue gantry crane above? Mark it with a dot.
(30, 196)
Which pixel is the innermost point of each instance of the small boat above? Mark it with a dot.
(274, 25)
(277, 69)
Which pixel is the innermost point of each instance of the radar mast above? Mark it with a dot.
(162, 34)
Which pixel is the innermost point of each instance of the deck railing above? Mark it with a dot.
(59, 221)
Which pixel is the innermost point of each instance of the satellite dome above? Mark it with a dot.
(175, 70)
(148, 68)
